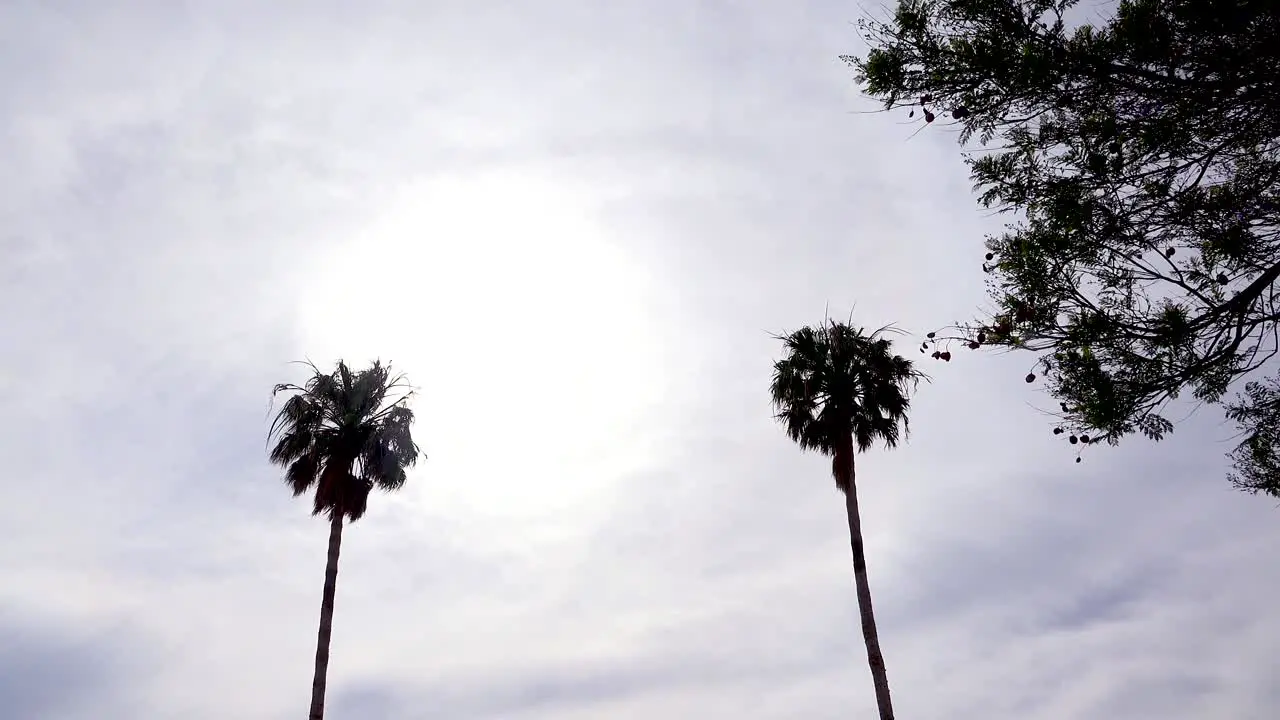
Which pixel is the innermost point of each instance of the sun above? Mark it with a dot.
(526, 329)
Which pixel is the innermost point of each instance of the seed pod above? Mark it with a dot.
(1222, 279)
(960, 113)
(931, 335)
(928, 116)
(1057, 431)
(1073, 439)
(946, 355)
(1031, 377)
(1077, 459)
(1169, 252)
(1084, 439)
(974, 345)
(982, 337)
(991, 256)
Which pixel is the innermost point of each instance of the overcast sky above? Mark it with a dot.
(574, 225)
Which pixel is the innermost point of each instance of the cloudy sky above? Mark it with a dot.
(574, 225)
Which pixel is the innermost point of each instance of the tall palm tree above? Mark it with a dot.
(340, 435)
(839, 390)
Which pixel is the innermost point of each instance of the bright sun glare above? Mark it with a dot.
(525, 330)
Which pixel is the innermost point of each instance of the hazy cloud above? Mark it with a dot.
(574, 225)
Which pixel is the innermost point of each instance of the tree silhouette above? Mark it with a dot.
(839, 390)
(1140, 158)
(338, 436)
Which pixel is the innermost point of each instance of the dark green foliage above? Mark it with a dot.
(1140, 160)
(342, 434)
(836, 382)
(1257, 459)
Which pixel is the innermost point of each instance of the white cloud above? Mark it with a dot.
(574, 227)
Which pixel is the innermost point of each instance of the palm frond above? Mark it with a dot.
(836, 383)
(342, 433)
(302, 474)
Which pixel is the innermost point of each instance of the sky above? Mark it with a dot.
(574, 225)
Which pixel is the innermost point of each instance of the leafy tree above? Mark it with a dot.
(839, 390)
(1139, 159)
(339, 436)
(1257, 459)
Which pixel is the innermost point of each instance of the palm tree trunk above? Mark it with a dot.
(874, 658)
(326, 619)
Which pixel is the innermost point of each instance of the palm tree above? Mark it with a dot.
(340, 435)
(838, 390)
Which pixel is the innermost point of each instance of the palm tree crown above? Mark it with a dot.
(344, 433)
(838, 387)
